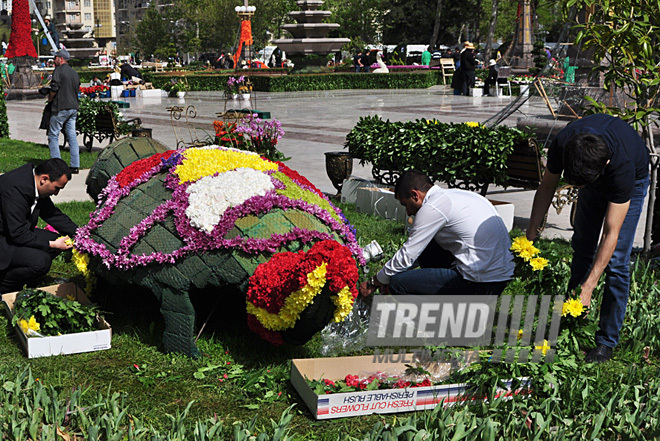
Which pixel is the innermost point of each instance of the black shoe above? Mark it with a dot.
(598, 355)
(74, 170)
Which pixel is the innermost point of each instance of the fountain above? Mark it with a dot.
(309, 45)
(79, 46)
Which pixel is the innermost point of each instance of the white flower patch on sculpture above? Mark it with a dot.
(211, 196)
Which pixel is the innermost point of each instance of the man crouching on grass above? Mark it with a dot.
(458, 239)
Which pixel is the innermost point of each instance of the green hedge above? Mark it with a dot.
(4, 123)
(451, 153)
(88, 75)
(296, 83)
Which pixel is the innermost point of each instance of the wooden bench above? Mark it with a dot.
(158, 67)
(106, 127)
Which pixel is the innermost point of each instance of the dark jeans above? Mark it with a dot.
(589, 216)
(437, 277)
(28, 265)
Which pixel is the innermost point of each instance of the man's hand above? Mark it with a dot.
(585, 295)
(371, 286)
(61, 243)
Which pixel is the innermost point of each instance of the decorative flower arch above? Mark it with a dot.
(20, 39)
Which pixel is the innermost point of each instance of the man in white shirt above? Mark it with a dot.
(457, 238)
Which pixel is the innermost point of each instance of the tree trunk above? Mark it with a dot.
(491, 31)
(436, 26)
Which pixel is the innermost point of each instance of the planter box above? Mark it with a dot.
(149, 93)
(347, 404)
(379, 202)
(62, 344)
(506, 211)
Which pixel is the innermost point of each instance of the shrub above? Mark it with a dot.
(4, 123)
(451, 153)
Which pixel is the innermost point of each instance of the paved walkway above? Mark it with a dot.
(315, 123)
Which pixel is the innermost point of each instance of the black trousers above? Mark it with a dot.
(28, 265)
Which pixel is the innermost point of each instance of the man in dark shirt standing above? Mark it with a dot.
(64, 89)
(609, 160)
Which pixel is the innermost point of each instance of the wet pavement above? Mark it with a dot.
(314, 122)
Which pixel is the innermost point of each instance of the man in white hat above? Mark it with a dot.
(64, 89)
(493, 72)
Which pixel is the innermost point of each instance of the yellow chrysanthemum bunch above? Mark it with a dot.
(29, 325)
(573, 307)
(81, 261)
(526, 250)
(472, 124)
(198, 163)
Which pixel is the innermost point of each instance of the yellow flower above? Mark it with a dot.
(544, 348)
(344, 303)
(34, 324)
(573, 307)
(472, 124)
(524, 248)
(198, 163)
(520, 334)
(81, 261)
(538, 263)
(23, 324)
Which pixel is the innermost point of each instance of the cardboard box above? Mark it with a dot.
(62, 344)
(350, 187)
(379, 202)
(149, 93)
(338, 405)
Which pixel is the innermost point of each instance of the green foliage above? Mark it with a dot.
(296, 83)
(54, 314)
(4, 123)
(445, 152)
(91, 109)
(87, 75)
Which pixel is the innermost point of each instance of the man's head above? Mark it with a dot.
(62, 56)
(47, 19)
(410, 190)
(585, 158)
(51, 176)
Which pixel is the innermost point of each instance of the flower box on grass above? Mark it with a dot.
(366, 402)
(67, 343)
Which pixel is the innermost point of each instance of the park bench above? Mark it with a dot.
(106, 127)
(158, 67)
(525, 170)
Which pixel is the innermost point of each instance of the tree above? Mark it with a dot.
(491, 30)
(359, 19)
(623, 35)
(436, 25)
(153, 33)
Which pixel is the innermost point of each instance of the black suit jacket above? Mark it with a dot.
(17, 224)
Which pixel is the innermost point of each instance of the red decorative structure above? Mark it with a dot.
(245, 39)
(20, 39)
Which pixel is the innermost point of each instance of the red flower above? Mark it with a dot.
(138, 168)
(329, 382)
(20, 39)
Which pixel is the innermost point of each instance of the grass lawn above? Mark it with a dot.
(240, 377)
(14, 153)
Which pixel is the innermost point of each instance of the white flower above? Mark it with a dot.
(211, 196)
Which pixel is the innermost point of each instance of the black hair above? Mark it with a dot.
(55, 168)
(585, 158)
(411, 180)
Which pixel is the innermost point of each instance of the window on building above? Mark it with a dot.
(88, 16)
(88, 3)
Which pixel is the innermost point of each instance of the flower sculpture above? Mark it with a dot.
(217, 216)
(20, 39)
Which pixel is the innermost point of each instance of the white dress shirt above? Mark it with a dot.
(463, 223)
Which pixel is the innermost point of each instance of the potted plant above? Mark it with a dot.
(179, 87)
(233, 87)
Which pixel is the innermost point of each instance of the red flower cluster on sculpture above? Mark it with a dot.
(139, 168)
(20, 39)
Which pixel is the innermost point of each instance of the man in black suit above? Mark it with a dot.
(26, 252)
